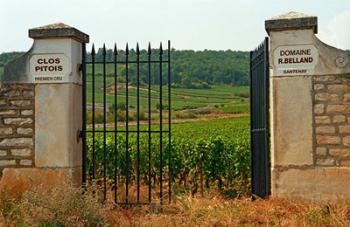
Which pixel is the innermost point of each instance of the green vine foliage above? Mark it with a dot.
(214, 162)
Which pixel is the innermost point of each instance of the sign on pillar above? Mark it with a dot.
(49, 68)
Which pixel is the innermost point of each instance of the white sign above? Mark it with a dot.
(49, 68)
(291, 60)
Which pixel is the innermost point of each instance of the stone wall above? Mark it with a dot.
(16, 125)
(332, 120)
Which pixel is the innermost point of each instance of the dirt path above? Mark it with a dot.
(204, 117)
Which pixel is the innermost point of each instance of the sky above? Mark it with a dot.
(189, 24)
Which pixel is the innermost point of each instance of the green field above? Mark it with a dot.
(231, 99)
(182, 98)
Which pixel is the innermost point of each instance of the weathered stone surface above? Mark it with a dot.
(3, 153)
(3, 102)
(291, 21)
(322, 119)
(319, 184)
(21, 102)
(336, 108)
(25, 162)
(326, 97)
(345, 163)
(321, 151)
(346, 97)
(323, 139)
(325, 129)
(289, 127)
(18, 121)
(324, 161)
(28, 93)
(19, 180)
(319, 109)
(346, 140)
(12, 93)
(344, 128)
(318, 87)
(21, 152)
(9, 142)
(58, 30)
(8, 112)
(25, 131)
(56, 143)
(338, 152)
(7, 162)
(338, 87)
(339, 119)
(27, 112)
(6, 131)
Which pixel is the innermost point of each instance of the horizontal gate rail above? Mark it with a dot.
(118, 160)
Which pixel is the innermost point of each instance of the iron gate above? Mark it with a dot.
(127, 123)
(259, 104)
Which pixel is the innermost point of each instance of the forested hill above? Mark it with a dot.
(191, 69)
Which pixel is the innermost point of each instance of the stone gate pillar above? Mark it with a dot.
(310, 111)
(41, 110)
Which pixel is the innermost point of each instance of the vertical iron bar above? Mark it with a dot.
(138, 120)
(267, 131)
(127, 122)
(251, 125)
(149, 125)
(115, 125)
(161, 121)
(169, 120)
(93, 110)
(104, 125)
(83, 69)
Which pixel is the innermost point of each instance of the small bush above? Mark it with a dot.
(185, 115)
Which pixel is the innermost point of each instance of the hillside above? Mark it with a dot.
(191, 69)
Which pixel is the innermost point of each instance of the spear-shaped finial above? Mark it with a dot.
(127, 49)
(104, 50)
(161, 49)
(93, 49)
(149, 52)
(137, 49)
(115, 49)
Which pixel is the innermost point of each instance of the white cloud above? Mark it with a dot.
(337, 31)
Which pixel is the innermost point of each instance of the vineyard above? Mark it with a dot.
(204, 155)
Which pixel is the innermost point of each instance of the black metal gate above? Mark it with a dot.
(259, 104)
(127, 124)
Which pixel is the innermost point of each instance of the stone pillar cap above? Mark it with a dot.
(291, 21)
(58, 30)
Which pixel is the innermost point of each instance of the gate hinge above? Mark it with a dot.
(80, 67)
(81, 133)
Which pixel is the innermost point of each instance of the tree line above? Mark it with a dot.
(190, 69)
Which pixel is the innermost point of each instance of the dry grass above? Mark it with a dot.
(66, 206)
(217, 211)
(54, 206)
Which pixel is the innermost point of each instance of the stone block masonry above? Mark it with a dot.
(332, 120)
(16, 125)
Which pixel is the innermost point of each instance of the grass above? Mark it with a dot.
(217, 211)
(67, 206)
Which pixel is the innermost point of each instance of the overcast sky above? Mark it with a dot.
(189, 24)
